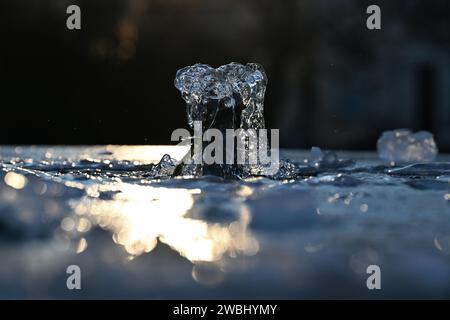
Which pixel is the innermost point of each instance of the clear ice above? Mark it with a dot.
(316, 155)
(232, 97)
(403, 146)
(228, 97)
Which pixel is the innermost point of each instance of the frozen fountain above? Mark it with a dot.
(228, 97)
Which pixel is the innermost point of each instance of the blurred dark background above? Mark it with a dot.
(332, 82)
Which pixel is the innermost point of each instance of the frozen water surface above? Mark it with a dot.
(137, 232)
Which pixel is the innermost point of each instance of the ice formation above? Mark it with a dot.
(403, 146)
(232, 97)
(229, 97)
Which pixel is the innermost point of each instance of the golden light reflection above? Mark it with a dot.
(138, 216)
(67, 224)
(84, 225)
(15, 180)
(82, 245)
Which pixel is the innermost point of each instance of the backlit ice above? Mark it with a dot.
(403, 146)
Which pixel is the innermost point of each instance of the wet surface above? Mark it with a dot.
(136, 232)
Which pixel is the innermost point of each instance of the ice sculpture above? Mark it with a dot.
(228, 97)
(403, 146)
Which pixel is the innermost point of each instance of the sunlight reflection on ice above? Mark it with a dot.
(138, 216)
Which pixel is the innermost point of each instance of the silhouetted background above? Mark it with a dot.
(332, 82)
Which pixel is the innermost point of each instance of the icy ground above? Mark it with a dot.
(136, 233)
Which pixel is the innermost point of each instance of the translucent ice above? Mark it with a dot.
(403, 146)
(315, 155)
(229, 97)
(326, 159)
(422, 169)
(164, 168)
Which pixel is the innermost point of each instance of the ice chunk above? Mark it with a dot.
(287, 170)
(315, 155)
(403, 146)
(164, 168)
